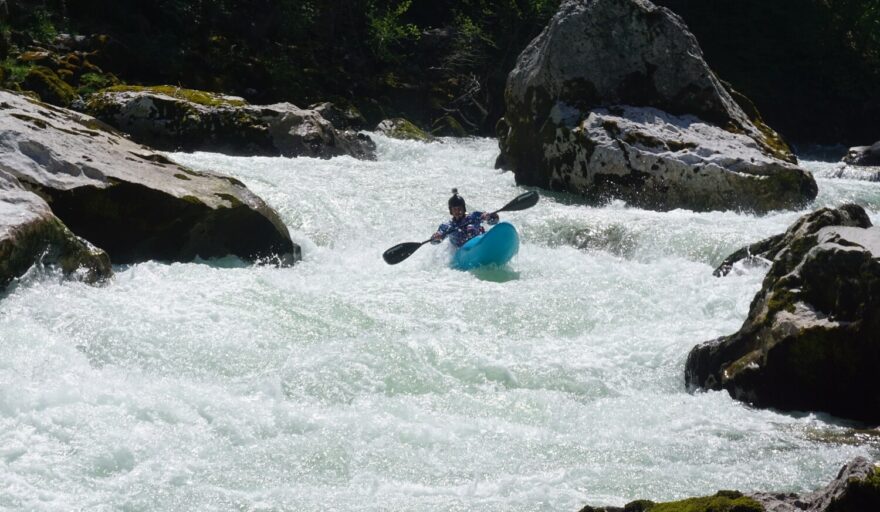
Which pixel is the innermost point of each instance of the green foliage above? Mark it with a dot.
(857, 23)
(388, 32)
(15, 71)
(93, 82)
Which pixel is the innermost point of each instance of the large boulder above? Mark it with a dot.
(618, 64)
(176, 119)
(127, 199)
(810, 341)
(863, 155)
(30, 233)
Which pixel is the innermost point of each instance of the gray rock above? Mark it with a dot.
(597, 56)
(656, 160)
(776, 247)
(341, 118)
(863, 155)
(30, 233)
(175, 119)
(810, 339)
(125, 198)
(400, 128)
(856, 488)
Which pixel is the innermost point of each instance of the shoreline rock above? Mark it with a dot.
(810, 340)
(855, 489)
(175, 119)
(127, 199)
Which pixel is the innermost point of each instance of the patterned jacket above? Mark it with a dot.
(463, 230)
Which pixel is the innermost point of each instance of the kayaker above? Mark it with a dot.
(462, 226)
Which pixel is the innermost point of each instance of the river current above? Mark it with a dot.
(343, 383)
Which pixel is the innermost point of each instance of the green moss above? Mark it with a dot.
(207, 99)
(234, 201)
(182, 177)
(404, 129)
(193, 200)
(93, 82)
(723, 501)
(781, 299)
(49, 86)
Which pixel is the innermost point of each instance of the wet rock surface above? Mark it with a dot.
(810, 340)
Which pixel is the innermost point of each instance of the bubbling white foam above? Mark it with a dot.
(346, 383)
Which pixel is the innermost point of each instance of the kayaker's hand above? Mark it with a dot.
(436, 238)
(491, 217)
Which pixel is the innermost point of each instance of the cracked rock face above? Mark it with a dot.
(810, 341)
(127, 199)
(626, 77)
(188, 120)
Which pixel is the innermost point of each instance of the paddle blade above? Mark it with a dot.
(400, 252)
(521, 202)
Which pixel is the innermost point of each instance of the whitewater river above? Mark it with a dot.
(343, 383)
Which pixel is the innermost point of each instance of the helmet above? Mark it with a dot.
(456, 200)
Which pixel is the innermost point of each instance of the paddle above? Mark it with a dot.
(403, 251)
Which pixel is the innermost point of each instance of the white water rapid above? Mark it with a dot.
(346, 384)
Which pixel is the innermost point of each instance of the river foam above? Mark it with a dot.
(343, 383)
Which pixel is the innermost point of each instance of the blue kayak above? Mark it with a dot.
(495, 247)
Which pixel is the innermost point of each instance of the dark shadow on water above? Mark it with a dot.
(495, 274)
(821, 153)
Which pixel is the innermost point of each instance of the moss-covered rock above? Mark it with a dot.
(448, 126)
(400, 128)
(855, 489)
(810, 339)
(49, 86)
(176, 119)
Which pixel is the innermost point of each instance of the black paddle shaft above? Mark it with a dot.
(403, 251)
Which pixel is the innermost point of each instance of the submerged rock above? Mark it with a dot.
(175, 119)
(628, 78)
(810, 341)
(127, 199)
(863, 155)
(30, 233)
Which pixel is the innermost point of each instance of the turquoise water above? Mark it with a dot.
(344, 383)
